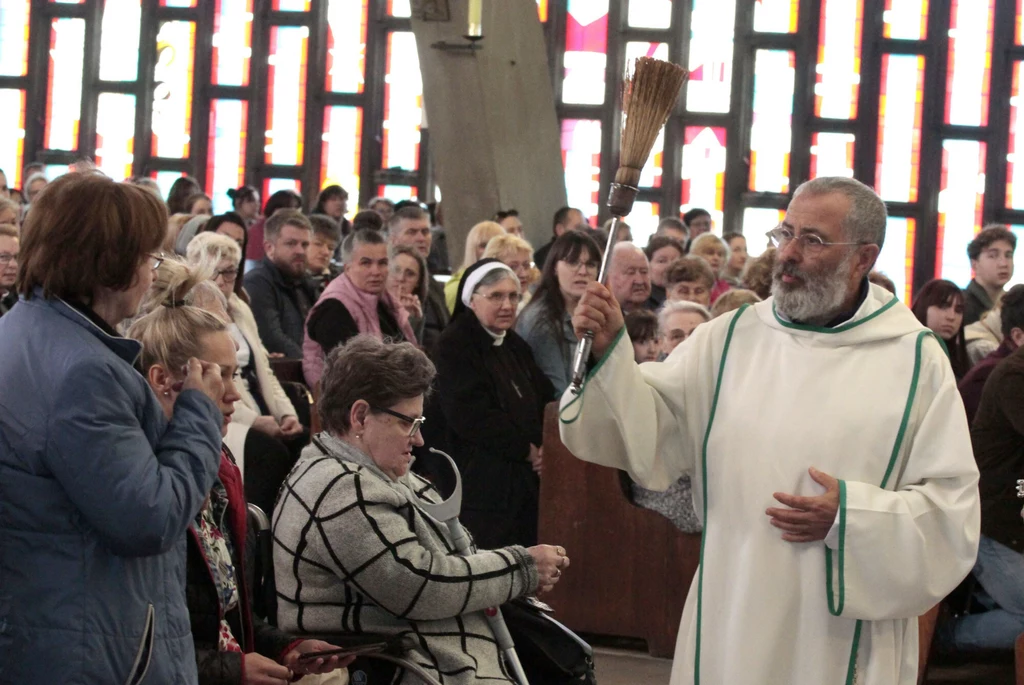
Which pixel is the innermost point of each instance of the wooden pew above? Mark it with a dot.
(631, 568)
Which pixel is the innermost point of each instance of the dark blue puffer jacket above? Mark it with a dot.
(97, 489)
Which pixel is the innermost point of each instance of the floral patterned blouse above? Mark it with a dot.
(216, 548)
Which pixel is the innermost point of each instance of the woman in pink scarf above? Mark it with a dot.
(355, 302)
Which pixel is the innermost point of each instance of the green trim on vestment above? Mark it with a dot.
(834, 608)
(704, 478)
(851, 669)
(590, 374)
(838, 329)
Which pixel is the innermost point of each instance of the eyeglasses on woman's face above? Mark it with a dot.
(498, 298)
(227, 275)
(414, 422)
(156, 259)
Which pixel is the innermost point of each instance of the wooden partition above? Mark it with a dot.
(631, 568)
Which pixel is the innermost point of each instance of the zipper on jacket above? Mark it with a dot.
(145, 652)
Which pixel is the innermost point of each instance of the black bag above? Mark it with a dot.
(551, 654)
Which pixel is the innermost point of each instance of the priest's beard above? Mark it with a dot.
(817, 298)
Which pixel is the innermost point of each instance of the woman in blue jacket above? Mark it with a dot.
(97, 487)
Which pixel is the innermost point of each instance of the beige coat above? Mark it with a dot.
(247, 410)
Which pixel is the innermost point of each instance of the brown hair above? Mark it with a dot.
(365, 368)
(759, 274)
(988, 235)
(641, 325)
(86, 231)
(281, 218)
(942, 293)
(733, 300)
(659, 241)
(689, 270)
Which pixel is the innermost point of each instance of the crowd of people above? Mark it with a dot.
(150, 330)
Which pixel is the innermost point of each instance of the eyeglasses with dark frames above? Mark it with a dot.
(416, 422)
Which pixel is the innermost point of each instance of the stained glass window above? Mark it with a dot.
(272, 185)
(399, 8)
(119, 40)
(776, 16)
(12, 143)
(225, 164)
(643, 221)
(291, 5)
(899, 127)
(177, 3)
(64, 90)
(832, 154)
(346, 45)
(232, 42)
(1015, 156)
(703, 170)
(14, 37)
(970, 58)
(960, 199)
(897, 257)
(838, 70)
(756, 222)
(581, 158)
(771, 131)
(52, 171)
(115, 134)
(343, 131)
(650, 14)
(542, 10)
(403, 103)
(586, 41)
(1019, 33)
(172, 95)
(286, 94)
(711, 44)
(905, 19)
(397, 193)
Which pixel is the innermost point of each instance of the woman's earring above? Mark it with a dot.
(167, 393)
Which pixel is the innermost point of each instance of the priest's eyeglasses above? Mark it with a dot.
(416, 422)
(810, 243)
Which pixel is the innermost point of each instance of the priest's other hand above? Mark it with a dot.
(598, 311)
(807, 519)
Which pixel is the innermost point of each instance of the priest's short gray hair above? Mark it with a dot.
(865, 222)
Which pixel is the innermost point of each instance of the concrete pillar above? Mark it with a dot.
(494, 132)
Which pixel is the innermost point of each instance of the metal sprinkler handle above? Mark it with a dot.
(620, 202)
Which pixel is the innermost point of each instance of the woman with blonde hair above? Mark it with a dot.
(516, 254)
(476, 243)
(263, 405)
(232, 645)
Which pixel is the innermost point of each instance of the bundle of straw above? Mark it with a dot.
(648, 96)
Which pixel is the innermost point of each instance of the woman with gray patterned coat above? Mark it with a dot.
(353, 552)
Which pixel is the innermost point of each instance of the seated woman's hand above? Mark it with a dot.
(259, 670)
(551, 561)
(290, 426)
(318, 665)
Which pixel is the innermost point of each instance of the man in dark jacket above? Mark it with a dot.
(410, 226)
(279, 288)
(998, 438)
(991, 254)
(566, 219)
(1012, 315)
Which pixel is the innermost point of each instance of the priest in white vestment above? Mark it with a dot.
(829, 451)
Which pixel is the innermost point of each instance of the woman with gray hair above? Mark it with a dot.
(353, 550)
(355, 302)
(492, 394)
